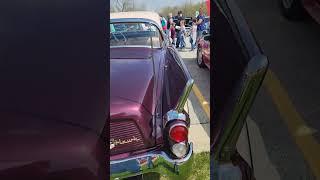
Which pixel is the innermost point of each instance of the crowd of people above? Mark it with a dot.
(176, 31)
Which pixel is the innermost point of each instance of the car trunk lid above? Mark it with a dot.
(132, 102)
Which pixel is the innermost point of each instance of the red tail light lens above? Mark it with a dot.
(179, 133)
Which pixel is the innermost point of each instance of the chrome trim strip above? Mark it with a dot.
(135, 20)
(172, 115)
(162, 154)
(175, 115)
(184, 96)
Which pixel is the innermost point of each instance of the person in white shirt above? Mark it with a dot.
(183, 33)
(193, 34)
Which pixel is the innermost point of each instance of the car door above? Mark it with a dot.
(239, 69)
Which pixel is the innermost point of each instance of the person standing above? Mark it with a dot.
(169, 22)
(164, 24)
(200, 24)
(193, 34)
(173, 33)
(178, 32)
(182, 34)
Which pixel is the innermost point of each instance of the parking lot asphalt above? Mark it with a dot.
(198, 102)
(286, 111)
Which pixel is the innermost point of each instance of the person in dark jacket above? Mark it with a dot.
(173, 33)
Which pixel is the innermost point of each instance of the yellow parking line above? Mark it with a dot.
(204, 104)
(308, 145)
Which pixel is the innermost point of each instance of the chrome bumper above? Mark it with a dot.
(156, 162)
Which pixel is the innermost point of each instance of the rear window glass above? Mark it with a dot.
(135, 34)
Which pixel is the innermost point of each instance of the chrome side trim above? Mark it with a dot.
(162, 154)
(184, 96)
(244, 96)
(174, 115)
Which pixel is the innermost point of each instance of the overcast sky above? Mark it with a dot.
(158, 4)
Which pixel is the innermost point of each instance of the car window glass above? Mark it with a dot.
(135, 34)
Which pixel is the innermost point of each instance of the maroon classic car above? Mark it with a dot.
(203, 51)
(294, 9)
(149, 85)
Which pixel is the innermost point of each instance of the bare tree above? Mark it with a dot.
(126, 5)
(140, 7)
(188, 9)
(122, 5)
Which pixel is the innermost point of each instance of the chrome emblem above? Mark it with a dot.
(115, 142)
(111, 145)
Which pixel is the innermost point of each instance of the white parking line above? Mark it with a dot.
(263, 167)
(198, 133)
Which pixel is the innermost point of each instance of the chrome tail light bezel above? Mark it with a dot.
(173, 119)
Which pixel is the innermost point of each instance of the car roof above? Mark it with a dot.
(137, 15)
